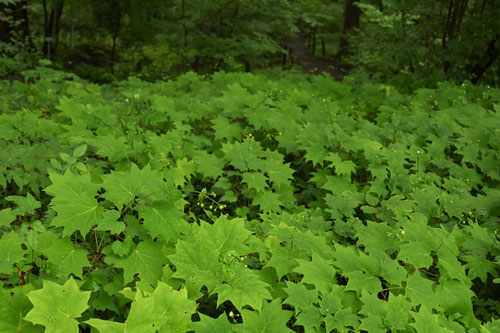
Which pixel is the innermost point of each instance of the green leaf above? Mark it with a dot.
(270, 319)
(75, 203)
(318, 272)
(480, 267)
(109, 222)
(226, 130)
(427, 322)
(209, 325)
(79, 214)
(455, 296)
(80, 151)
(278, 172)
(255, 180)
(11, 250)
(165, 310)
(359, 281)
(420, 291)
(106, 326)
(14, 305)
(123, 248)
(416, 254)
(244, 288)
(196, 260)
(146, 259)
(123, 186)
(7, 216)
(56, 307)
(26, 204)
(299, 296)
(69, 260)
(163, 219)
(209, 165)
(281, 261)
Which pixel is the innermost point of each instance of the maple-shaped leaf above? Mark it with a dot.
(282, 261)
(373, 324)
(359, 281)
(109, 222)
(226, 235)
(27, 204)
(69, 260)
(163, 219)
(209, 165)
(146, 259)
(341, 167)
(224, 129)
(243, 155)
(299, 296)
(171, 307)
(316, 153)
(278, 172)
(244, 288)
(271, 319)
(11, 250)
(68, 186)
(455, 296)
(79, 214)
(310, 318)
(416, 254)
(420, 291)
(14, 305)
(318, 272)
(372, 306)
(427, 322)
(75, 203)
(209, 325)
(480, 267)
(398, 310)
(196, 260)
(7, 216)
(56, 307)
(163, 310)
(123, 186)
(342, 319)
(267, 201)
(255, 180)
(331, 301)
(343, 204)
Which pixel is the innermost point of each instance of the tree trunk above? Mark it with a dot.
(486, 60)
(52, 27)
(14, 24)
(351, 21)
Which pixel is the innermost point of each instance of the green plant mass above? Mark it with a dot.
(243, 202)
(249, 166)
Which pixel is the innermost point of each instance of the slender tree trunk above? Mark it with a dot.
(351, 21)
(486, 60)
(52, 27)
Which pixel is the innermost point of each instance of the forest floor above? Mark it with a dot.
(310, 63)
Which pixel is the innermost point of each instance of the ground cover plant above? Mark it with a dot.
(243, 203)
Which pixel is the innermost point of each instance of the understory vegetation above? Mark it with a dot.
(244, 202)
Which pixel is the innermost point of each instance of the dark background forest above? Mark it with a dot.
(410, 43)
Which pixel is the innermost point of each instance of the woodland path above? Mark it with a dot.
(309, 63)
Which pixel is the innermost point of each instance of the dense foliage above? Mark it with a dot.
(154, 39)
(240, 202)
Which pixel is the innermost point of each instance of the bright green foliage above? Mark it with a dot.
(241, 203)
(56, 307)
